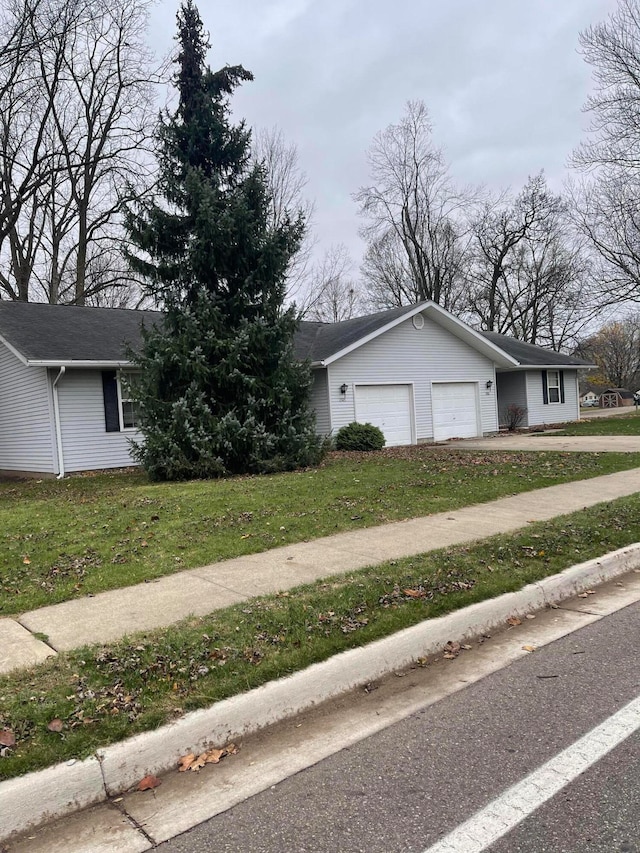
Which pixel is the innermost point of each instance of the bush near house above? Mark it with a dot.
(357, 436)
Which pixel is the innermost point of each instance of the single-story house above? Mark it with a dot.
(589, 398)
(417, 372)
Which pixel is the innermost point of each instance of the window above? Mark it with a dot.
(553, 385)
(129, 408)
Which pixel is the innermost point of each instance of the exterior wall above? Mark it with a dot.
(27, 439)
(539, 413)
(319, 401)
(418, 357)
(512, 389)
(86, 445)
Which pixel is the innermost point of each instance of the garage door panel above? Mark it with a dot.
(387, 407)
(455, 410)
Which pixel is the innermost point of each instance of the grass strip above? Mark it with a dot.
(84, 535)
(626, 424)
(103, 694)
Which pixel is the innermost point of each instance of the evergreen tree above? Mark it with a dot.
(219, 387)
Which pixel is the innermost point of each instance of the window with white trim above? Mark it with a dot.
(553, 385)
(129, 407)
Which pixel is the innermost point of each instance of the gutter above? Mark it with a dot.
(56, 418)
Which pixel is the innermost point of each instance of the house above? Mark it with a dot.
(418, 372)
(589, 398)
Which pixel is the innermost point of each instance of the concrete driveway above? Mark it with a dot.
(575, 443)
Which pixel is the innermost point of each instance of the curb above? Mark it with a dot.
(62, 789)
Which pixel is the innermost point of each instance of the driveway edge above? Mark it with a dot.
(31, 800)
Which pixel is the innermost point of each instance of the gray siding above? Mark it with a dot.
(86, 445)
(418, 357)
(319, 401)
(26, 420)
(539, 413)
(512, 389)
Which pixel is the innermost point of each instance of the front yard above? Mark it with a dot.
(88, 698)
(83, 535)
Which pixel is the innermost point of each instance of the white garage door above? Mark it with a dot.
(387, 407)
(455, 410)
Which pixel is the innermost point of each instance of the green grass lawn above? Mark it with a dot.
(624, 424)
(83, 535)
(103, 694)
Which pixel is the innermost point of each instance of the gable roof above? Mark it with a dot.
(528, 355)
(324, 343)
(56, 335)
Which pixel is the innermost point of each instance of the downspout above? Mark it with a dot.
(56, 418)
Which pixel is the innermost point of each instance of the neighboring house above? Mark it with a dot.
(417, 372)
(589, 398)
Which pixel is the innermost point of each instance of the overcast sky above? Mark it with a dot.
(503, 81)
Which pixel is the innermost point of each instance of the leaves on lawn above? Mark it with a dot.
(55, 725)
(194, 762)
(149, 783)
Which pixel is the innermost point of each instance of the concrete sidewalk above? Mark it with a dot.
(112, 615)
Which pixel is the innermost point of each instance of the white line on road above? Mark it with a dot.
(518, 802)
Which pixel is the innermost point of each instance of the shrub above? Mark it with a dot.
(513, 416)
(357, 436)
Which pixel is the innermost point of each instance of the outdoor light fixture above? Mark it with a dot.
(343, 389)
(489, 384)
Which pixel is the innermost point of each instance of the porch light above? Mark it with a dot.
(343, 389)
(489, 384)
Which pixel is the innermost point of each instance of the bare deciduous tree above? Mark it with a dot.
(79, 110)
(529, 277)
(606, 200)
(334, 294)
(287, 183)
(414, 206)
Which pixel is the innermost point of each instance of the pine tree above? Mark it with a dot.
(219, 387)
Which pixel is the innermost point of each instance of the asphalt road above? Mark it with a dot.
(408, 786)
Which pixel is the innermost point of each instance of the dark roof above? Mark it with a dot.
(63, 333)
(317, 341)
(529, 355)
(66, 333)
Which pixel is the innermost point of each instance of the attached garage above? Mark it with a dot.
(389, 407)
(455, 410)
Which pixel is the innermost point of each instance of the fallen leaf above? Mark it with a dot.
(186, 761)
(214, 756)
(200, 761)
(513, 620)
(56, 725)
(232, 749)
(529, 648)
(414, 593)
(7, 738)
(451, 650)
(149, 783)
(587, 593)
(530, 616)
(26, 561)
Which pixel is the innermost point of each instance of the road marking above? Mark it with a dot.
(509, 809)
